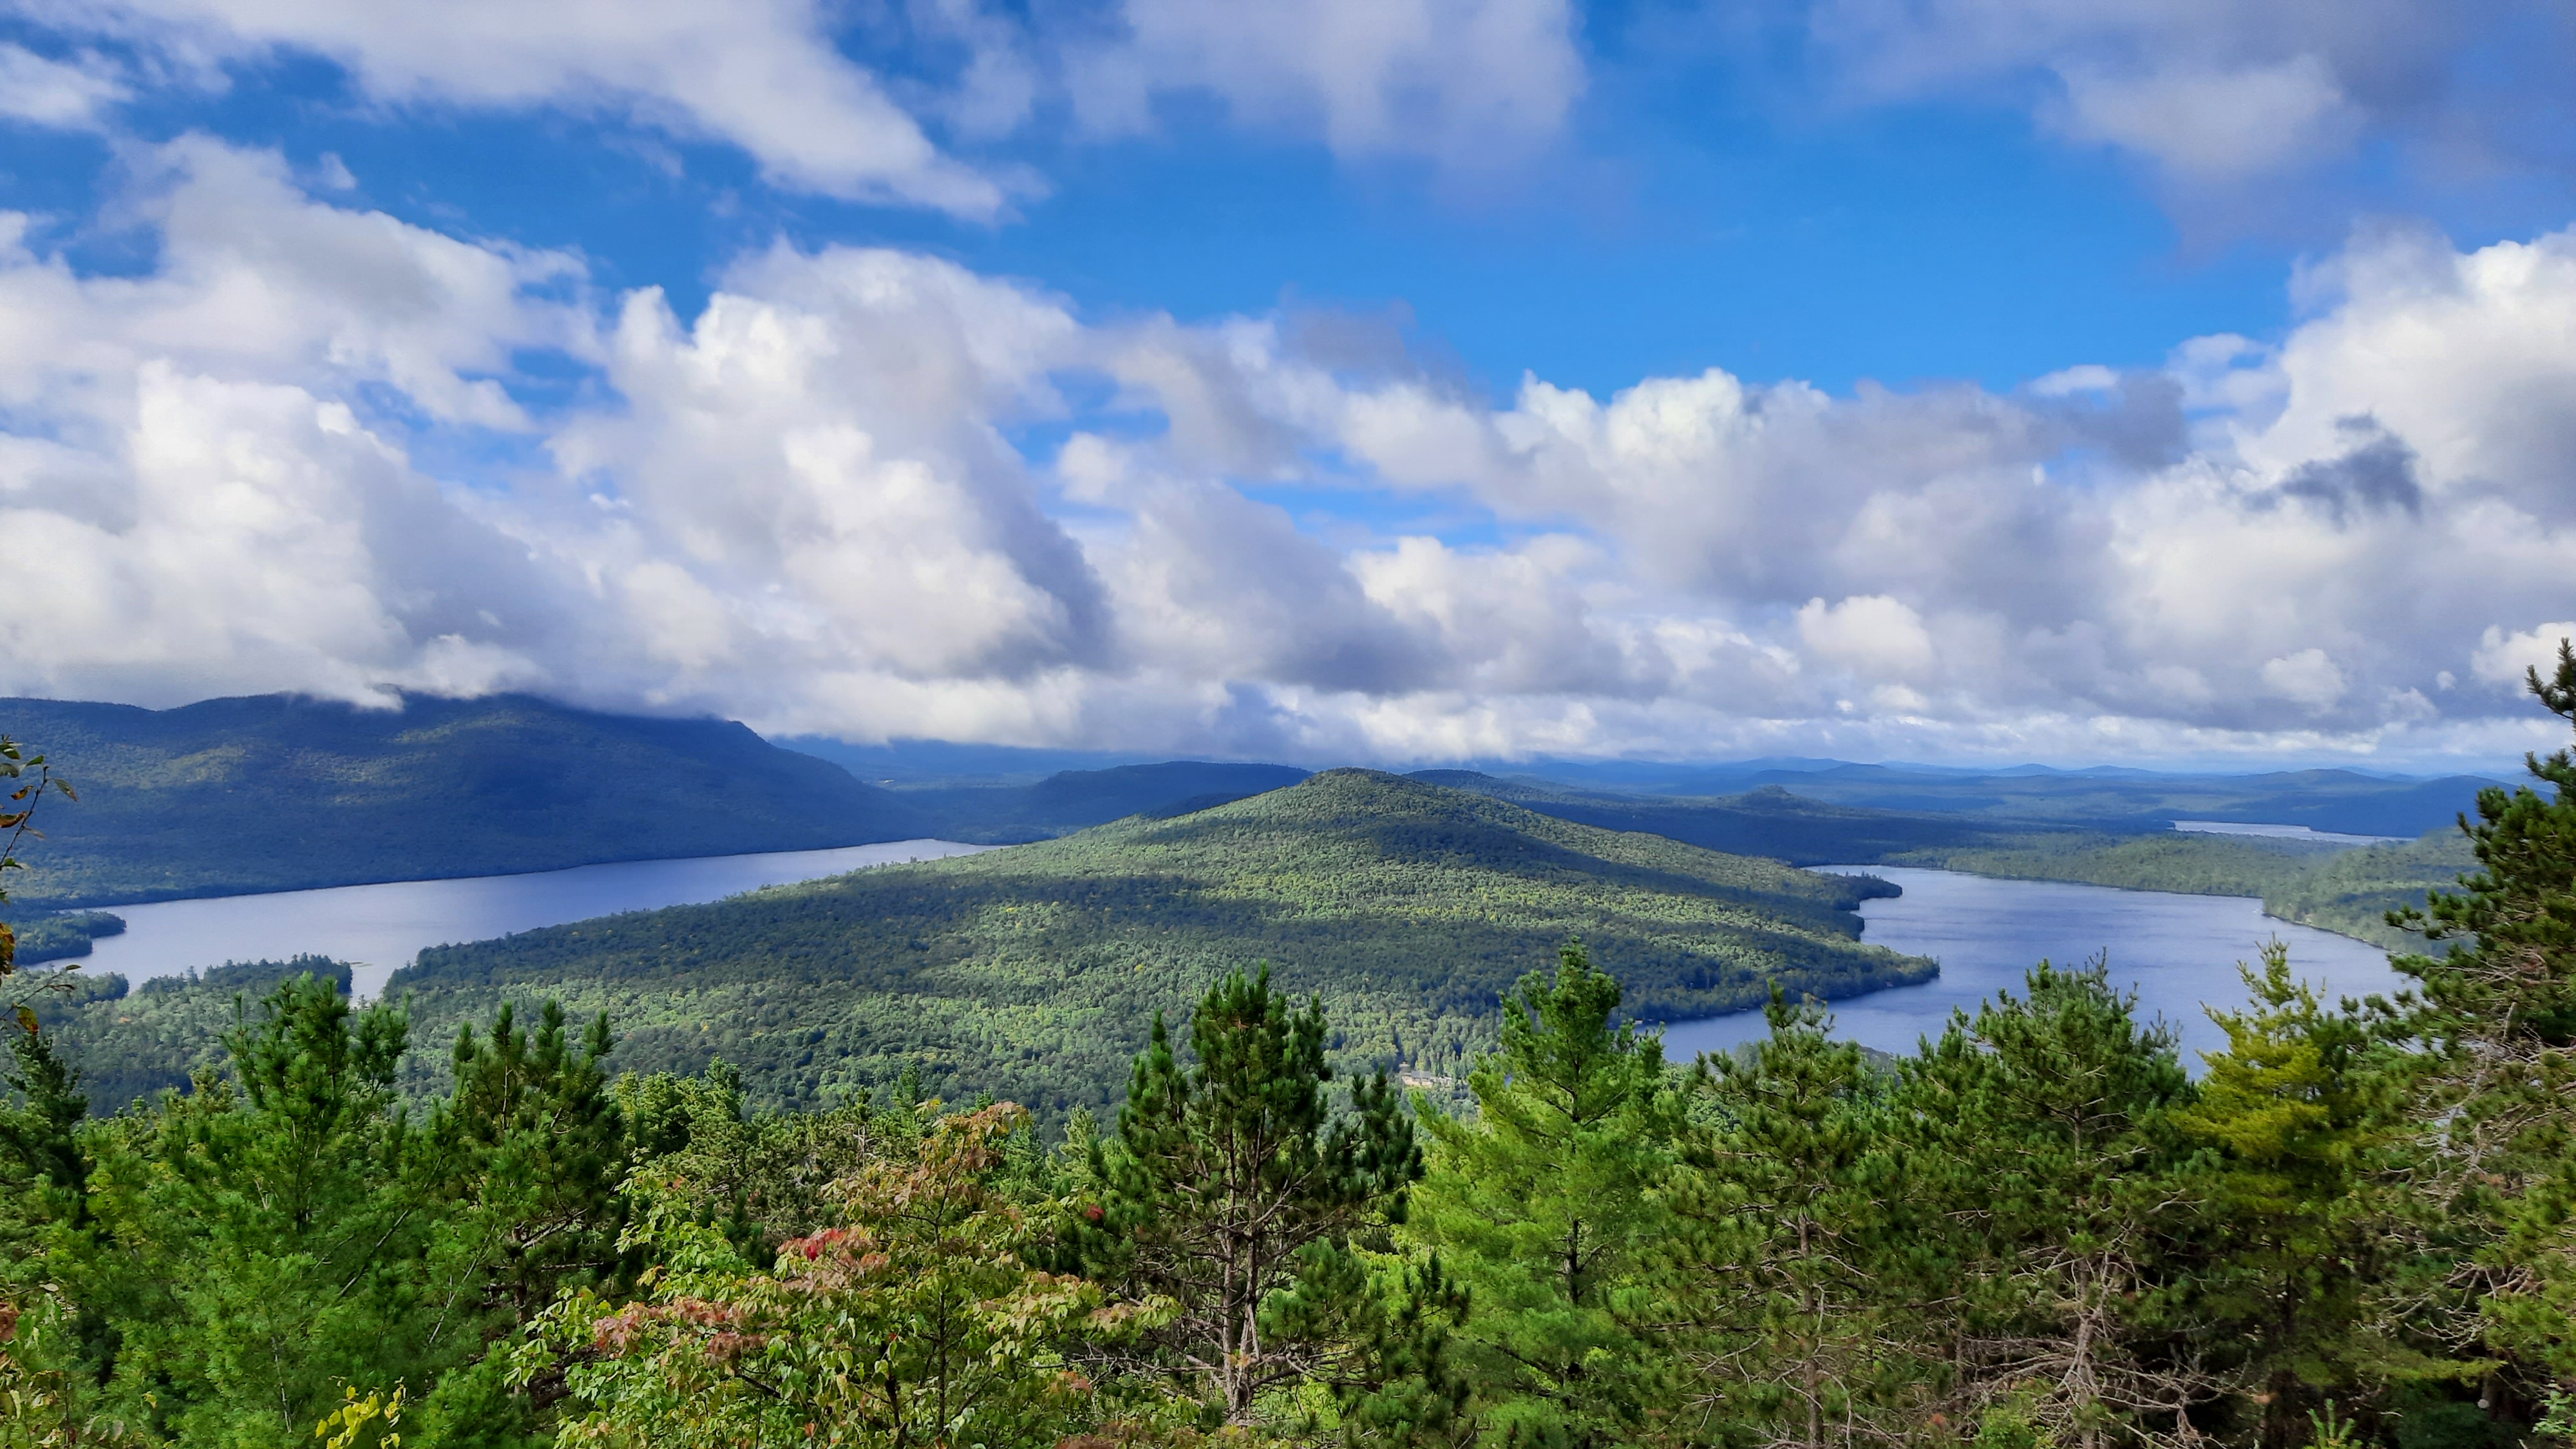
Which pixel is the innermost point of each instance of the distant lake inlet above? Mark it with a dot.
(381, 928)
(2178, 952)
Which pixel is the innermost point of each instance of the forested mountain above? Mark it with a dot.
(278, 792)
(2108, 798)
(1070, 800)
(1034, 972)
(1768, 821)
(2034, 1232)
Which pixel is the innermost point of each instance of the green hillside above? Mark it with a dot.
(281, 793)
(1034, 972)
(132, 1044)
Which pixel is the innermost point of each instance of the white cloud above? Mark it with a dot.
(1876, 637)
(759, 74)
(2223, 91)
(43, 92)
(808, 505)
(2506, 659)
(1468, 82)
(2307, 677)
(2215, 124)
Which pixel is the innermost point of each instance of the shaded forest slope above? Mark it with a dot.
(282, 793)
(1034, 972)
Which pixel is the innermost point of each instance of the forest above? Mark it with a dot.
(279, 792)
(2350, 1227)
(1033, 973)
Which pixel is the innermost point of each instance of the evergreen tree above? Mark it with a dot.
(2497, 1024)
(1542, 1208)
(2043, 1136)
(270, 1240)
(1221, 1175)
(2291, 1109)
(533, 1142)
(42, 1137)
(1783, 1269)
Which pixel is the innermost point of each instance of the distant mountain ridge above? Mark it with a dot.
(2102, 797)
(1078, 799)
(1766, 821)
(278, 792)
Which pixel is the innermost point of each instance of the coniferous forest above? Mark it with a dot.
(2351, 1227)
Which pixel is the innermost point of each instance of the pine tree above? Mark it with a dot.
(2292, 1108)
(1542, 1209)
(2043, 1136)
(43, 1136)
(1783, 1270)
(1221, 1175)
(533, 1141)
(271, 1238)
(2497, 1024)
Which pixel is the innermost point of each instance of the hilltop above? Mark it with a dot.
(1034, 972)
(278, 792)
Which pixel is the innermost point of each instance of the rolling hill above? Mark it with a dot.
(1034, 972)
(277, 792)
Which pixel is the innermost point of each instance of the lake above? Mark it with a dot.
(2176, 951)
(379, 928)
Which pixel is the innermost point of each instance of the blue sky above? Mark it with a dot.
(1406, 380)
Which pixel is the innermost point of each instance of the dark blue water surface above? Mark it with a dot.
(2177, 952)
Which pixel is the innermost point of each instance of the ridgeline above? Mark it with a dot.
(1035, 972)
(276, 792)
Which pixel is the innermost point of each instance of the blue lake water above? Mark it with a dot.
(2177, 952)
(380, 928)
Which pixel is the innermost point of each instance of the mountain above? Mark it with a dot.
(1035, 972)
(903, 764)
(2117, 799)
(1769, 821)
(278, 792)
(1074, 799)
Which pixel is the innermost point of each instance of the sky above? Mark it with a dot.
(2147, 382)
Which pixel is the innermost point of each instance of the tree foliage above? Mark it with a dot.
(2356, 1226)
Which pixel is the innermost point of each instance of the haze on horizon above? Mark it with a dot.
(1405, 381)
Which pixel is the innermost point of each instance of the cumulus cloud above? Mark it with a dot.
(1474, 82)
(1871, 635)
(875, 111)
(2508, 658)
(45, 92)
(2222, 91)
(828, 501)
(760, 74)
